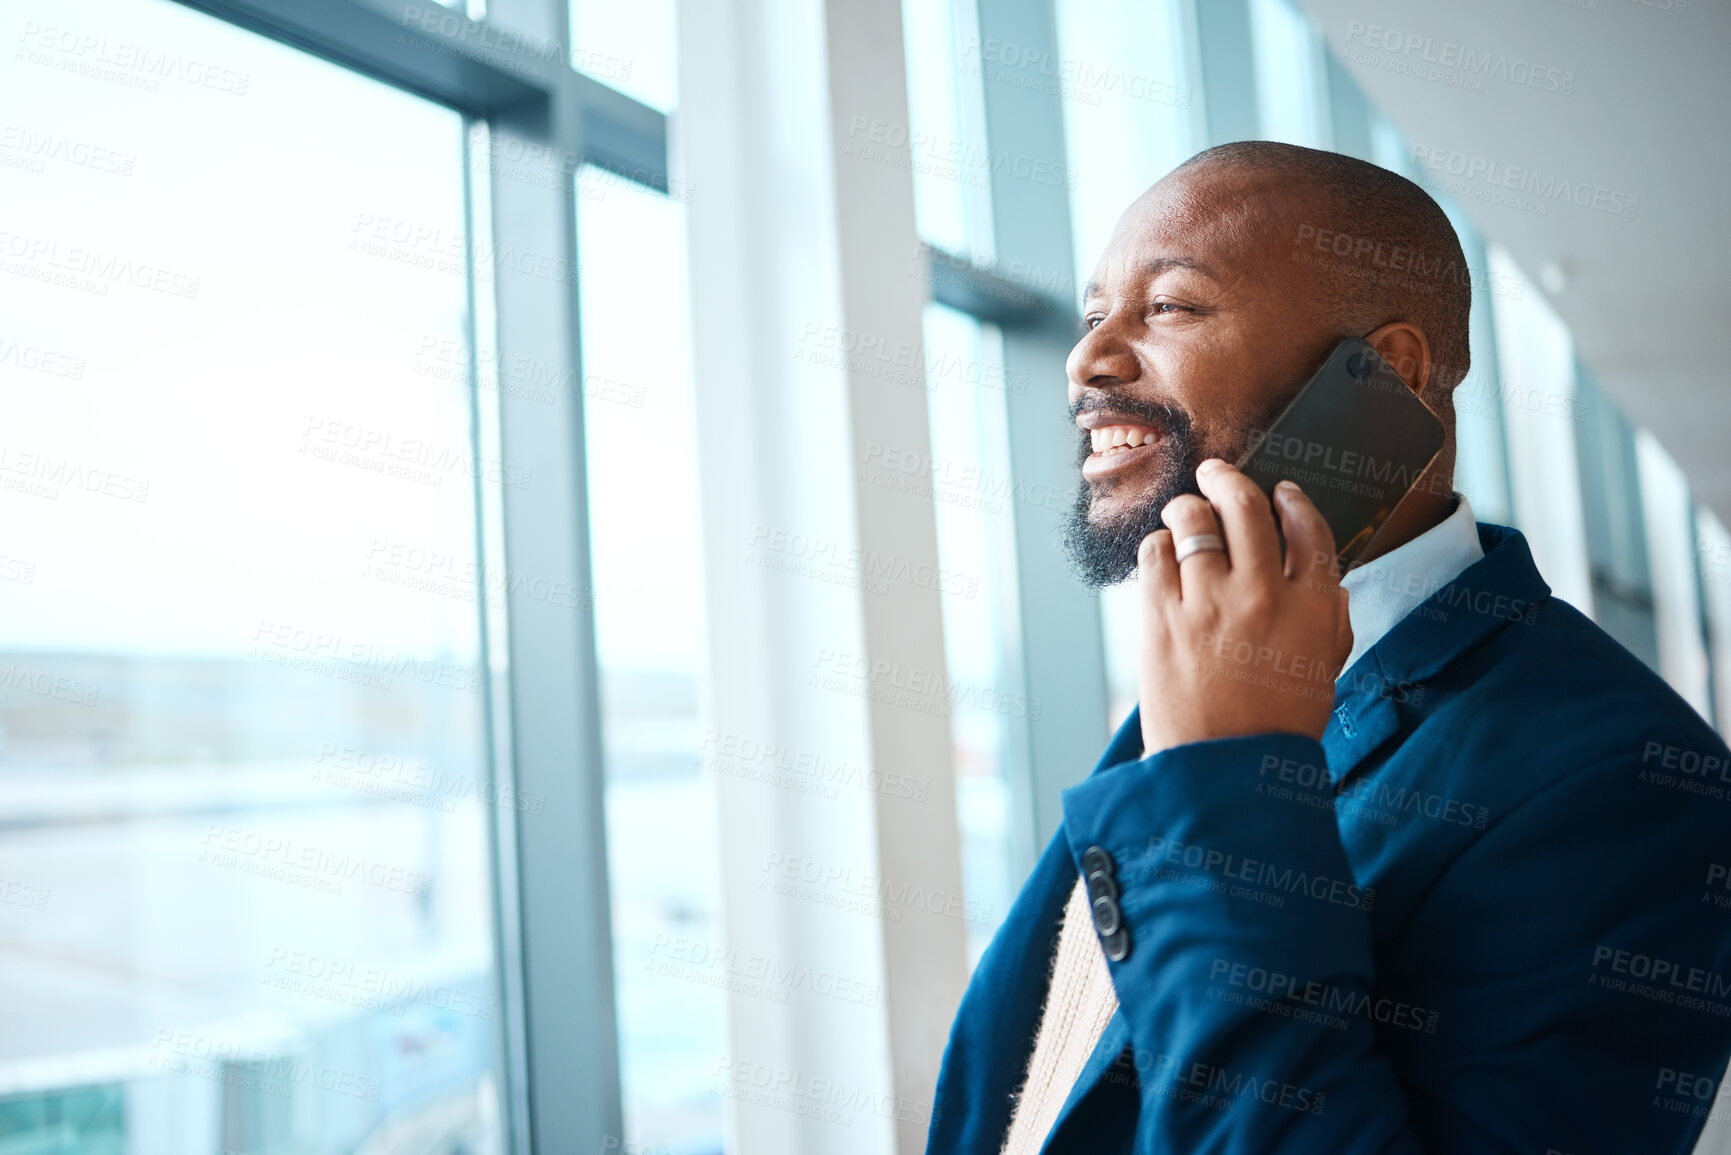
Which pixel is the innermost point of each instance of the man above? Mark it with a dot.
(1469, 898)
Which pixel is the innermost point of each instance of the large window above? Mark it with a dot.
(244, 768)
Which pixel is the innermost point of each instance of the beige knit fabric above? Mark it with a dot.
(1079, 1001)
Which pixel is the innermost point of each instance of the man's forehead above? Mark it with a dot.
(1218, 221)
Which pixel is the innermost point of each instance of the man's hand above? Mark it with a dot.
(1237, 643)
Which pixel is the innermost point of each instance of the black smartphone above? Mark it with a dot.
(1356, 439)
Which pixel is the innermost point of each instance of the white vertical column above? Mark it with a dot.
(1714, 557)
(1670, 545)
(1536, 368)
(826, 728)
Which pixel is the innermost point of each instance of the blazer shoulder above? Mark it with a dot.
(1556, 676)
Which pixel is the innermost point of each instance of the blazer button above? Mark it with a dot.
(1117, 944)
(1107, 917)
(1095, 860)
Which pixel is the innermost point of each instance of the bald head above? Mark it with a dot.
(1378, 247)
(1222, 290)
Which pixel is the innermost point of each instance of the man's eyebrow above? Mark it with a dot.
(1160, 265)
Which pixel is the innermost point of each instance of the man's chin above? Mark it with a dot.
(1103, 535)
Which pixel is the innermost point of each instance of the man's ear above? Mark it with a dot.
(1403, 345)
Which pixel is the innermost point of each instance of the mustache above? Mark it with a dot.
(1175, 422)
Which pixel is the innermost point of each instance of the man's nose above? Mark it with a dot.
(1100, 360)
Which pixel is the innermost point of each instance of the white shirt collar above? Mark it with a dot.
(1381, 592)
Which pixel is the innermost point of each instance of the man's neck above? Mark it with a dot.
(1426, 506)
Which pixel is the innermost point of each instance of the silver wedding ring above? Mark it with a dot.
(1199, 543)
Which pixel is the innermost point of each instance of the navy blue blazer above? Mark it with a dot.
(1486, 913)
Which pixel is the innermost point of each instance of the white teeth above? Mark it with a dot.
(1111, 439)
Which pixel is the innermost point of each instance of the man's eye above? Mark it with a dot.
(1093, 321)
(1164, 306)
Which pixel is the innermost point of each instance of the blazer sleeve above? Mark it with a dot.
(1251, 993)
(1215, 871)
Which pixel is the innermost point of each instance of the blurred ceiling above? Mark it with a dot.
(1646, 294)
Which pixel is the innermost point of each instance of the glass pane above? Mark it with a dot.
(1129, 118)
(630, 47)
(946, 131)
(671, 971)
(968, 473)
(1610, 485)
(1291, 82)
(242, 757)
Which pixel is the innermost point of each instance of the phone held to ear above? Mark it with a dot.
(1356, 439)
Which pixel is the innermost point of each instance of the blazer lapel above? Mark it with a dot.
(1502, 587)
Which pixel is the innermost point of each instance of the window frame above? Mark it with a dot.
(553, 938)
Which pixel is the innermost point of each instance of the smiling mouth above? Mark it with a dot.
(1112, 440)
(1118, 449)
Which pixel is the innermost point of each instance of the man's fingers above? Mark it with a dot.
(1244, 512)
(1309, 542)
(1186, 516)
(1157, 567)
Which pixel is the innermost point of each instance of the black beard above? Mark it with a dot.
(1104, 552)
